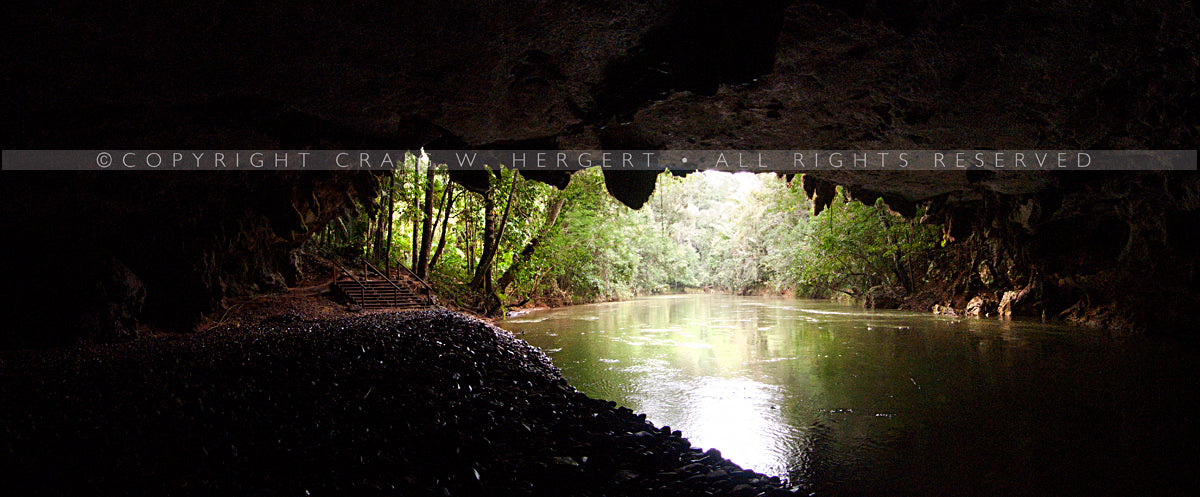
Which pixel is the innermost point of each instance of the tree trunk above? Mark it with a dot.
(447, 205)
(377, 240)
(391, 219)
(468, 242)
(422, 268)
(492, 232)
(415, 208)
(441, 209)
(526, 253)
(489, 228)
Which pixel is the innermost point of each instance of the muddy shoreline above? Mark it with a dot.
(417, 403)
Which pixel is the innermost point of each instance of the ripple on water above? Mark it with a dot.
(692, 345)
(636, 341)
(856, 314)
(520, 321)
(776, 359)
(652, 366)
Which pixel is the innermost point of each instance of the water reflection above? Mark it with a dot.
(844, 401)
(739, 416)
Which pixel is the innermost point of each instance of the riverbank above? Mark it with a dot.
(544, 303)
(418, 403)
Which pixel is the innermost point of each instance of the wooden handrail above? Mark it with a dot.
(415, 277)
(381, 274)
(351, 275)
(395, 290)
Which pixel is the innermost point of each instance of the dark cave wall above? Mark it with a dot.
(1109, 250)
(102, 255)
(1119, 252)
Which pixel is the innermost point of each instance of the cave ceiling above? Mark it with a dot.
(766, 74)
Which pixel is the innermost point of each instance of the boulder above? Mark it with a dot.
(981, 306)
(1019, 302)
(944, 310)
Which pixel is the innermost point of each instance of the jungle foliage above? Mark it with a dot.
(525, 241)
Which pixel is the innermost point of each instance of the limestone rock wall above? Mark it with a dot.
(1108, 250)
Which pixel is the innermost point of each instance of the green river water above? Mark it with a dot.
(844, 401)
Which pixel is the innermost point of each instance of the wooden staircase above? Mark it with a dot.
(372, 288)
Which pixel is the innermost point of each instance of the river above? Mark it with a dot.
(840, 400)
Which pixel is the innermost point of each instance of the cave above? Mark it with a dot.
(104, 256)
(644, 76)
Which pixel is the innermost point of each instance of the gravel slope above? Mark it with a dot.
(422, 403)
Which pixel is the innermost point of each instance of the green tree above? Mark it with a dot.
(851, 247)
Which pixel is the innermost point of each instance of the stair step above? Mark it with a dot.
(399, 289)
(397, 293)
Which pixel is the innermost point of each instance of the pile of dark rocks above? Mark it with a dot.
(421, 403)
